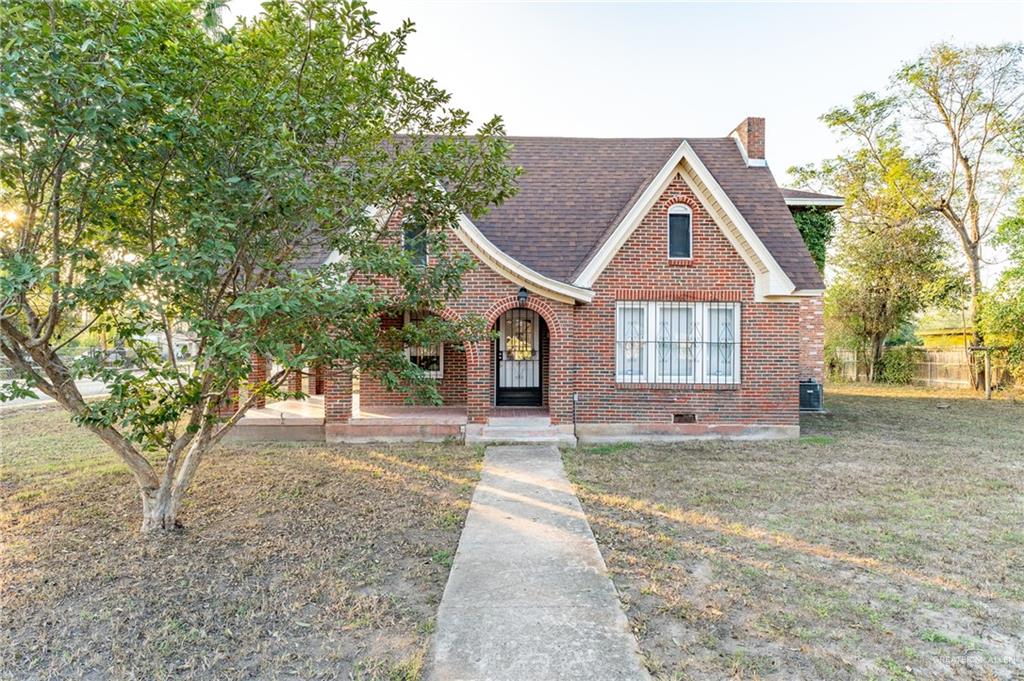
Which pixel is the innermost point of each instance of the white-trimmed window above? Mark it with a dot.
(677, 342)
(430, 358)
(680, 232)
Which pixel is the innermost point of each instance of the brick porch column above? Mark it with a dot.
(479, 383)
(317, 381)
(337, 394)
(295, 381)
(258, 374)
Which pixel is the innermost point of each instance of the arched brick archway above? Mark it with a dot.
(540, 306)
(557, 317)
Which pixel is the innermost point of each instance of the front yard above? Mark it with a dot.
(888, 543)
(298, 562)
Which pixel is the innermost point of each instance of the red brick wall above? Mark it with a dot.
(580, 353)
(770, 335)
(452, 384)
(812, 339)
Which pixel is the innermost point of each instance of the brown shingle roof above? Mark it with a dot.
(575, 191)
(754, 193)
(571, 191)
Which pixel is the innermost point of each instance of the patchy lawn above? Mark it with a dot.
(888, 543)
(298, 561)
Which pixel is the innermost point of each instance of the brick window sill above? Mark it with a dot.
(682, 263)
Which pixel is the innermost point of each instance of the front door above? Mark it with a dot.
(518, 371)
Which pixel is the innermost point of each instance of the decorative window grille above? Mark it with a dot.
(429, 358)
(677, 342)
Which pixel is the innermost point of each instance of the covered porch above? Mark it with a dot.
(305, 420)
(511, 387)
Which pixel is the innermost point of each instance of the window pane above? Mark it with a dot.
(428, 358)
(722, 341)
(414, 242)
(679, 236)
(630, 341)
(675, 341)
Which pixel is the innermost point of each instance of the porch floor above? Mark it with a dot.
(411, 415)
(311, 412)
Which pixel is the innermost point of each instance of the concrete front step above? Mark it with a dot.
(526, 430)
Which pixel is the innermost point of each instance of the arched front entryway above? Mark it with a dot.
(520, 362)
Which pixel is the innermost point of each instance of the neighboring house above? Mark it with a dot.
(640, 288)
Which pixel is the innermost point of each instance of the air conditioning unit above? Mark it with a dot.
(811, 396)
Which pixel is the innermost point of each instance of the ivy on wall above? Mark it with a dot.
(816, 227)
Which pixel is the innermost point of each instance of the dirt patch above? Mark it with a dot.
(296, 562)
(888, 543)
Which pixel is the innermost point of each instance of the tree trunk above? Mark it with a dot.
(159, 510)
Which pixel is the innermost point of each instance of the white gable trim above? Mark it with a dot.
(769, 279)
(515, 271)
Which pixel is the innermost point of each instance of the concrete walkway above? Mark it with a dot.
(529, 596)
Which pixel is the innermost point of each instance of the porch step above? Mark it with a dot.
(532, 429)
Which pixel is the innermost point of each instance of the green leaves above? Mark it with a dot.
(179, 179)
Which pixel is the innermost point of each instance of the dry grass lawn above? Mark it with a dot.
(887, 544)
(297, 561)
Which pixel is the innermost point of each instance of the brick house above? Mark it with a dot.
(639, 288)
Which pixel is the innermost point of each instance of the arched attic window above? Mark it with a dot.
(680, 232)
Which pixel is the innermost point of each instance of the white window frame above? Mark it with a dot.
(439, 374)
(677, 209)
(701, 318)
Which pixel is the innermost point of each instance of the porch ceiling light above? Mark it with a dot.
(523, 295)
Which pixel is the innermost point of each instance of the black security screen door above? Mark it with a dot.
(518, 359)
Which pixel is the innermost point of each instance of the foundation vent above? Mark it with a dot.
(684, 418)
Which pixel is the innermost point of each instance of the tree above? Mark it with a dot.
(959, 114)
(155, 174)
(883, 278)
(1003, 309)
(889, 259)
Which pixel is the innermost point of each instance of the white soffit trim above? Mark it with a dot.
(775, 283)
(515, 271)
(795, 201)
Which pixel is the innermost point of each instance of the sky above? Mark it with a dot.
(676, 69)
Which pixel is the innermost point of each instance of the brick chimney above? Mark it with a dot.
(750, 134)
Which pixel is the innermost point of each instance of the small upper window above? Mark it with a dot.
(414, 242)
(680, 232)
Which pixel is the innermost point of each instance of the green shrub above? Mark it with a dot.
(897, 365)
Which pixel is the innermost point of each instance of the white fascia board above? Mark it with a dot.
(837, 202)
(515, 271)
(766, 286)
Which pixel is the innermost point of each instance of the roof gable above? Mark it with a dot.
(575, 192)
(572, 193)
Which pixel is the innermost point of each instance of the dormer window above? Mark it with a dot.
(414, 242)
(680, 232)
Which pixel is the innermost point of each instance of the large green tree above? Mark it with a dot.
(958, 114)
(889, 259)
(155, 174)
